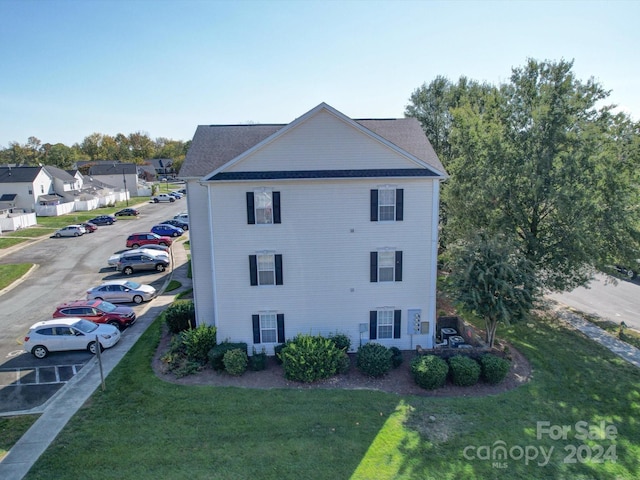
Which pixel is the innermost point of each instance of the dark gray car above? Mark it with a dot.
(139, 261)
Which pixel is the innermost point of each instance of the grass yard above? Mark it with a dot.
(6, 242)
(12, 429)
(143, 428)
(12, 272)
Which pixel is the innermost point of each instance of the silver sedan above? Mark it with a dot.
(120, 291)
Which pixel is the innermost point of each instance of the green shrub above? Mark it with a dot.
(429, 371)
(309, 358)
(465, 371)
(277, 350)
(344, 364)
(197, 342)
(258, 361)
(176, 360)
(342, 341)
(216, 353)
(494, 369)
(235, 361)
(180, 316)
(374, 360)
(396, 357)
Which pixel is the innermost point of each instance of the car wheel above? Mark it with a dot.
(137, 299)
(76, 234)
(127, 270)
(58, 235)
(92, 348)
(631, 274)
(172, 200)
(160, 267)
(164, 244)
(175, 234)
(115, 324)
(40, 351)
(155, 200)
(135, 245)
(110, 223)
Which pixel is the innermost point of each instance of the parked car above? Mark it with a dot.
(139, 262)
(115, 258)
(69, 333)
(117, 291)
(70, 231)
(103, 220)
(136, 240)
(89, 227)
(127, 212)
(177, 195)
(98, 311)
(183, 217)
(629, 271)
(177, 223)
(163, 197)
(167, 230)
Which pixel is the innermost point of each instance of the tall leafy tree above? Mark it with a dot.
(539, 160)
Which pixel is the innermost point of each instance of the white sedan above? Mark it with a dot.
(118, 291)
(69, 333)
(70, 231)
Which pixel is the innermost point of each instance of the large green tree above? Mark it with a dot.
(539, 160)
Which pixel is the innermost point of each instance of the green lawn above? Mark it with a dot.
(144, 428)
(12, 272)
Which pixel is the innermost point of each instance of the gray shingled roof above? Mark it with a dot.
(113, 169)
(59, 173)
(215, 145)
(19, 174)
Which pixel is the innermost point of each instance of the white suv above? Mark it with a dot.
(163, 197)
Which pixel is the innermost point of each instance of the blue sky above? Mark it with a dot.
(71, 68)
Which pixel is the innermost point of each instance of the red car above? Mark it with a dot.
(89, 227)
(139, 239)
(98, 311)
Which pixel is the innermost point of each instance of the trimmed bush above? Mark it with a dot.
(374, 360)
(197, 342)
(277, 351)
(235, 361)
(258, 361)
(216, 353)
(429, 372)
(494, 369)
(342, 341)
(309, 358)
(465, 371)
(396, 357)
(344, 364)
(180, 316)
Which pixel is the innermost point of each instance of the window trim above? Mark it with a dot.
(252, 216)
(374, 266)
(254, 277)
(373, 323)
(257, 327)
(375, 204)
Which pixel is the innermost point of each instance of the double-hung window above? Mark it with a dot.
(384, 323)
(387, 204)
(265, 268)
(386, 266)
(263, 207)
(268, 327)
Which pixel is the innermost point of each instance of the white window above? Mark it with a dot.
(268, 328)
(386, 204)
(266, 269)
(263, 201)
(385, 323)
(386, 266)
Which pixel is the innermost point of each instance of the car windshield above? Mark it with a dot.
(85, 326)
(107, 307)
(132, 285)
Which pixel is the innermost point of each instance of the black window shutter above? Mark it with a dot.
(278, 269)
(253, 269)
(280, 321)
(396, 323)
(276, 207)
(398, 266)
(256, 328)
(373, 325)
(373, 270)
(251, 213)
(374, 205)
(399, 204)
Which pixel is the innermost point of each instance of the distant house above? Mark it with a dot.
(323, 225)
(162, 166)
(24, 187)
(121, 175)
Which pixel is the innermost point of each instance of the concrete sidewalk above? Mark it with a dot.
(59, 409)
(630, 353)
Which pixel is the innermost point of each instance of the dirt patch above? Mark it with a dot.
(399, 380)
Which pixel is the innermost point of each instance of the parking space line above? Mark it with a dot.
(49, 375)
